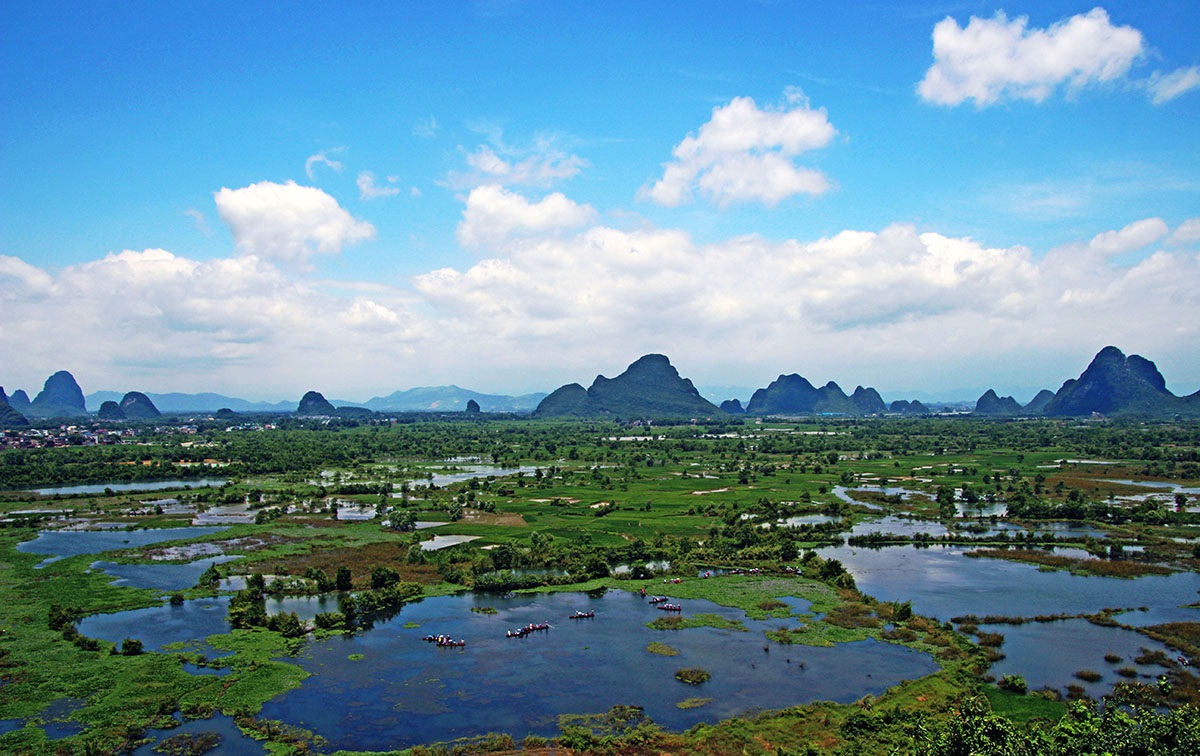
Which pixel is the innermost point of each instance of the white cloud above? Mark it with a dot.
(493, 213)
(1187, 232)
(368, 189)
(883, 308)
(153, 320)
(541, 164)
(1134, 236)
(744, 154)
(288, 222)
(322, 157)
(996, 59)
(1166, 87)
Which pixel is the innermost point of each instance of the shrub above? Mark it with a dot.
(131, 647)
(1127, 672)
(1088, 675)
(330, 620)
(1013, 683)
(991, 639)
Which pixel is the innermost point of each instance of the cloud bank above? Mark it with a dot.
(881, 306)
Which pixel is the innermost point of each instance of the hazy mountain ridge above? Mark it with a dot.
(1112, 384)
(9, 417)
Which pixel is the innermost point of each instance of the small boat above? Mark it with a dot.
(1183, 660)
(658, 599)
(448, 643)
(670, 607)
(583, 615)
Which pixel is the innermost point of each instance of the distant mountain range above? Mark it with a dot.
(423, 399)
(1112, 385)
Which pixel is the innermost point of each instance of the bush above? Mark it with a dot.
(1088, 675)
(330, 620)
(382, 577)
(1013, 683)
(131, 647)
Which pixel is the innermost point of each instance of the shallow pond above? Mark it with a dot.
(941, 582)
(442, 541)
(59, 544)
(232, 743)
(157, 626)
(1048, 654)
(906, 526)
(146, 485)
(406, 691)
(160, 577)
(467, 472)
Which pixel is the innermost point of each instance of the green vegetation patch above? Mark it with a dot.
(693, 703)
(693, 675)
(678, 622)
(662, 649)
(1022, 707)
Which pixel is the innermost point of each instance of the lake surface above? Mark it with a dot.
(161, 577)
(942, 583)
(145, 485)
(406, 691)
(59, 544)
(1048, 654)
(466, 472)
(157, 626)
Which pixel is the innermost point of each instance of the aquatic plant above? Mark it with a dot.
(692, 675)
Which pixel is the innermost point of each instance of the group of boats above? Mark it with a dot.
(532, 627)
(445, 641)
(662, 603)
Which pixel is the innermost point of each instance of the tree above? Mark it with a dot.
(131, 647)
(382, 577)
(343, 581)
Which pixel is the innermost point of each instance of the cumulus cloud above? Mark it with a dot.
(493, 213)
(1187, 232)
(746, 154)
(195, 323)
(1132, 237)
(897, 296)
(322, 158)
(368, 189)
(996, 59)
(288, 222)
(1166, 87)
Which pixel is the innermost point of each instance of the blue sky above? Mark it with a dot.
(935, 197)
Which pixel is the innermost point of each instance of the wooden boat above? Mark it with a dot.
(447, 643)
(670, 607)
(582, 615)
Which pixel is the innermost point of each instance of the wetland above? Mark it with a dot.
(820, 569)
